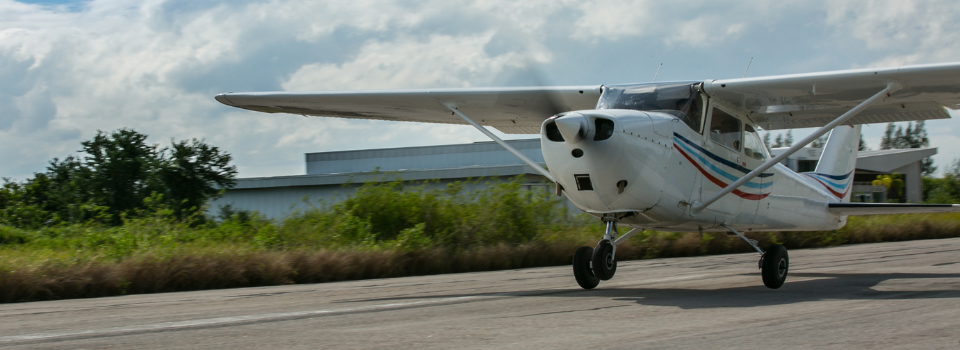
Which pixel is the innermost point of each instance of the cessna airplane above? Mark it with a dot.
(678, 156)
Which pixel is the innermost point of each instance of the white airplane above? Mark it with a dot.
(679, 156)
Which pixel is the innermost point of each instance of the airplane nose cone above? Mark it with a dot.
(573, 127)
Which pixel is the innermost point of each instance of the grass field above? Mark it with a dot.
(386, 230)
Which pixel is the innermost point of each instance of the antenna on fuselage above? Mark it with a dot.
(748, 67)
(658, 72)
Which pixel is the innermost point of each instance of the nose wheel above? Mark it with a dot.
(592, 265)
(604, 260)
(582, 269)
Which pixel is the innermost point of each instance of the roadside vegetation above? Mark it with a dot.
(68, 239)
(388, 229)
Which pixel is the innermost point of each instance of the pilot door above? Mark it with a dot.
(727, 156)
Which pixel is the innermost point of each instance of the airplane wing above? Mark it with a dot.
(773, 102)
(518, 110)
(889, 208)
(816, 99)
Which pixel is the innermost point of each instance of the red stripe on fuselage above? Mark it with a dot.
(716, 181)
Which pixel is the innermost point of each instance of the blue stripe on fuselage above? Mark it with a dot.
(724, 173)
(718, 158)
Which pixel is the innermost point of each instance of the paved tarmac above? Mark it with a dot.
(885, 295)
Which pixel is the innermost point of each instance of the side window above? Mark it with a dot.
(725, 129)
(752, 147)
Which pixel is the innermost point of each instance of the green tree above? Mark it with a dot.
(820, 141)
(898, 138)
(914, 136)
(194, 172)
(887, 141)
(920, 139)
(783, 140)
(945, 189)
(122, 170)
(115, 176)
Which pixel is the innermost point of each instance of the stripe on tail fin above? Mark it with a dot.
(839, 158)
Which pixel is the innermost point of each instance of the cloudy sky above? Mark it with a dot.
(70, 68)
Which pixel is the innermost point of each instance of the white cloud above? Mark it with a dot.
(614, 19)
(910, 31)
(155, 65)
(704, 30)
(693, 23)
(438, 61)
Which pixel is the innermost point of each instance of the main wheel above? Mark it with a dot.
(581, 268)
(604, 262)
(774, 268)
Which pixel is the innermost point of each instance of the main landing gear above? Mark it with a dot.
(774, 263)
(592, 265)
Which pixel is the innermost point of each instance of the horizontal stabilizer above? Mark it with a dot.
(889, 208)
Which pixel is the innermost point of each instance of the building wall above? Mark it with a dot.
(282, 201)
(912, 181)
(430, 157)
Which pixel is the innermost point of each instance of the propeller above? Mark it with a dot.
(573, 127)
(544, 102)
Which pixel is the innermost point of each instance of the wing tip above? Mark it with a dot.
(222, 98)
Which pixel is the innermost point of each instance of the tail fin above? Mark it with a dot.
(839, 158)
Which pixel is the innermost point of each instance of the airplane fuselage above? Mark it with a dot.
(648, 167)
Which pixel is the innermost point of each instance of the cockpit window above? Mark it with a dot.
(752, 147)
(725, 129)
(681, 100)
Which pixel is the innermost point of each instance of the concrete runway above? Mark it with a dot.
(886, 295)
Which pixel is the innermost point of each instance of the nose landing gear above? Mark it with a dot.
(583, 268)
(605, 254)
(592, 265)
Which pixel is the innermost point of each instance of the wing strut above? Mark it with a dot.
(891, 88)
(489, 134)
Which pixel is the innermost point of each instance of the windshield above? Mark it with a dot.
(682, 100)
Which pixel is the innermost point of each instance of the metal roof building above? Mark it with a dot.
(331, 176)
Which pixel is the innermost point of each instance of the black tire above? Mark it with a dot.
(776, 262)
(581, 268)
(604, 261)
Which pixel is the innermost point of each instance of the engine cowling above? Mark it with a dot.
(608, 160)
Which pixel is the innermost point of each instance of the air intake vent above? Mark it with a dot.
(604, 129)
(553, 133)
(583, 182)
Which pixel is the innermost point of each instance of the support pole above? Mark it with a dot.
(626, 236)
(751, 242)
(891, 87)
(502, 143)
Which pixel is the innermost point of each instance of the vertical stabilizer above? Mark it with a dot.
(839, 158)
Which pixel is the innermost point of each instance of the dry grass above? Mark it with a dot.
(186, 271)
